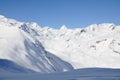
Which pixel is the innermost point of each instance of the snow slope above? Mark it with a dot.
(93, 46)
(7, 66)
(22, 48)
(80, 74)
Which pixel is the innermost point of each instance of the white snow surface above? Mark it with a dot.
(44, 49)
(80, 74)
(93, 46)
(22, 48)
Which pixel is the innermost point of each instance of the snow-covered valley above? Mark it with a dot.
(66, 54)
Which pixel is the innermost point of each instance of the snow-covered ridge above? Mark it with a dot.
(85, 47)
(18, 44)
(44, 49)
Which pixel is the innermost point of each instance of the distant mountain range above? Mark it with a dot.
(27, 47)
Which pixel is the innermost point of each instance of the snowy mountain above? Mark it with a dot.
(20, 47)
(93, 46)
(45, 50)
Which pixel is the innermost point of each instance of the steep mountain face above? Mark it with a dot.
(49, 50)
(20, 47)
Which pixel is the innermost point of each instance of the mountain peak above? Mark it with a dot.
(1, 16)
(33, 24)
(63, 27)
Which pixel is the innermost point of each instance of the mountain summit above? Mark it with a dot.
(49, 50)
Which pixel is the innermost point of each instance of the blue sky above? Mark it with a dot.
(54, 13)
